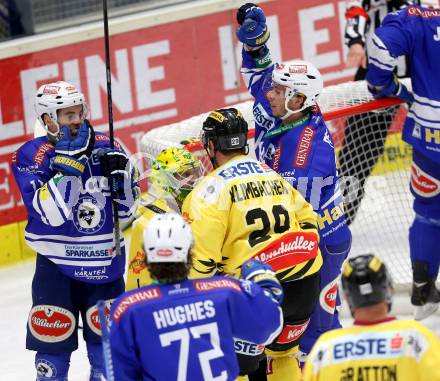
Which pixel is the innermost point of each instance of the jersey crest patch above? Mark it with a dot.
(88, 215)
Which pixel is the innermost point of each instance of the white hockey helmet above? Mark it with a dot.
(167, 238)
(52, 97)
(299, 78)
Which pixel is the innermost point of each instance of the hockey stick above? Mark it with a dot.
(106, 349)
(110, 125)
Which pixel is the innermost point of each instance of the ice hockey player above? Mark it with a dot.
(173, 174)
(243, 209)
(378, 347)
(292, 138)
(64, 181)
(179, 329)
(365, 134)
(415, 32)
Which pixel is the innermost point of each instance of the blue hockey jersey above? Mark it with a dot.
(185, 331)
(70, 219)
(415, 32)
(302, 152)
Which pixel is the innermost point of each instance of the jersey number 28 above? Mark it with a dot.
(282, 223)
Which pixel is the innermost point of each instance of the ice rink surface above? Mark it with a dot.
(15, 298)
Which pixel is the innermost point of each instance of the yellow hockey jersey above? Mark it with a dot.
(244, 209)
(397, 350)
(137, 271)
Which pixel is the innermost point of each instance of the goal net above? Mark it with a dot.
(373, 162)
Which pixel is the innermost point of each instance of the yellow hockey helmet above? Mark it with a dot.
(175, 171)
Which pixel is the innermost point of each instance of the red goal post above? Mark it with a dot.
(382, 221)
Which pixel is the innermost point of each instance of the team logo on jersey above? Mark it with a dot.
(327, 297)
(45, 368)
(51, 324)
(138, 263)
(422, 183)
(88, 215)
(92, 316)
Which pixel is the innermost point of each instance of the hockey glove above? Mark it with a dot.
(250, 11)
(68, 165)
(73, 151)
(116, 167)
(80, 146)
(253, 30)
(262, 274)
(394, 89)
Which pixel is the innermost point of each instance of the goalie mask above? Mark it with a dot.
(298, 78)
(167, 238)
(55, 96)
(175, 171)
(366, 282)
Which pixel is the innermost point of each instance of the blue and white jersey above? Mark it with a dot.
(70, 219)
(185, 331)
(415, 32)
(302, 152)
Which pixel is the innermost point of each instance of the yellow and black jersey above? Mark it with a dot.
(244, 209)
(396, 350)
(137, 272)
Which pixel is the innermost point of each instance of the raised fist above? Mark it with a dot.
(250, 11)
(253, 29)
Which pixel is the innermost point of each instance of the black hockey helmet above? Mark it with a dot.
(366, 281)
(226, 128)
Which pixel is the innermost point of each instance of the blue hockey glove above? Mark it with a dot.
(78, 147)
(250, 11)
(263, 275)
(394, 89)
(253, 30)
(116, 166)
(73, 151)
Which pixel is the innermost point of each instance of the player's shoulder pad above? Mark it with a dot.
(209, 189)
(132, 299)
(35, 153)
(103, 141)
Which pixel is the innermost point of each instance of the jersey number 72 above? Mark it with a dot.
(184, 336)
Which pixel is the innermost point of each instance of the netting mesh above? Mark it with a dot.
(373, 163)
